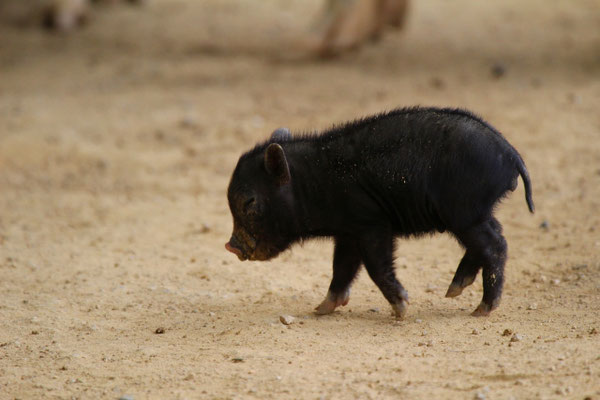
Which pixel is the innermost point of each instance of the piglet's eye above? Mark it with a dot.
(250, 205)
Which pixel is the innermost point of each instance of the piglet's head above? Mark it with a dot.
(260, 200)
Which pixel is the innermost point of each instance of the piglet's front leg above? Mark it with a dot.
(346, 262)
(377, 248)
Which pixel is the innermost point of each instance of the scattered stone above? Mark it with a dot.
(159, 330)
(437, 83)
(188, 122)
(126, 397)
(205, 228)
(189, 377)
(593, 331)
(532, 306)
(374, 310)
(34, 332)
(555, 281)
(574, 98)
(430, 288)
(498, 70)
(474, 332)
(418, 321)
(507, 332)
(237, 360)
(516, 338)
(211, 314)
(545, 225)
(479, 396)
(286, 319)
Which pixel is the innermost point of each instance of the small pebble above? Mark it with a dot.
(532, 306)
(159, 331)
(189, 377)
(507, 332)
(374, 310)
(498, 70)
(593, 331)
(204, 228)
(237, 360)
(188, 122)
(126, 397)
(555, 281)
(516, 338)
(545, 225)
(418, 321)
(286, 319)
(475, 332)
(430, 288)
(437, 83)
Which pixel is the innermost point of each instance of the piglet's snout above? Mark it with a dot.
(232, 247)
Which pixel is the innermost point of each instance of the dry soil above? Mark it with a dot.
(116, 146)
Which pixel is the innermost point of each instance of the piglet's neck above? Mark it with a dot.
(314, 205)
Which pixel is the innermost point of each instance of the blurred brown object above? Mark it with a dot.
(64, 15)
(347, 24)
(59, 15)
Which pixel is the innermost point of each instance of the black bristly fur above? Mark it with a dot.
(406, 172)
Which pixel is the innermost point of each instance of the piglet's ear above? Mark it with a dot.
(280, 134)
(276, 164)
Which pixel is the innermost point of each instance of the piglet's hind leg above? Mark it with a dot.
(486, 242)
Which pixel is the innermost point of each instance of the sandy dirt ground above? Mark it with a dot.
(116, 146)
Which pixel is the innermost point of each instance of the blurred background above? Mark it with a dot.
(121, 122)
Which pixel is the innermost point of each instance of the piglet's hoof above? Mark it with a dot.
(454, 290)
(326, 307)
(331, 302)
(399, 309)
(483, 310)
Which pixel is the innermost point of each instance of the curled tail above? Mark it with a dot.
(527, 183)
